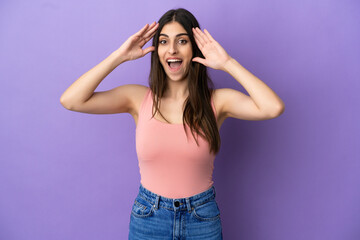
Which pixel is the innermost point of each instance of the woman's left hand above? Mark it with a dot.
(215, 55)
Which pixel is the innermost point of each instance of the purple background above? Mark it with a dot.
(69, 175)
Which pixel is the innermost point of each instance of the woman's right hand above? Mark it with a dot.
(131, 49)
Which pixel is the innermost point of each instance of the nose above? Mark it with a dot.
(172, 48)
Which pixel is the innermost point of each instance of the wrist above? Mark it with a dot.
(119, 56)
(228, 64)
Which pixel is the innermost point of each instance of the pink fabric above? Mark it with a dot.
(170, 163)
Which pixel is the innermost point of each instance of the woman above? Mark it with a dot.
(176, 196)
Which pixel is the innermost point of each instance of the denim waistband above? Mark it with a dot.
(177, 204)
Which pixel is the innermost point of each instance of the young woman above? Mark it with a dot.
(177, 118)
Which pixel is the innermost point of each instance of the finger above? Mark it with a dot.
(151, 36)
(196, 36)
(199, 60)
(199, 39)
(208, 35)
(139, 33)
(147, 34)
(148, 49)
(148, 38)
(151, 31)
(202, 36)
(200, 46)
(152, 25)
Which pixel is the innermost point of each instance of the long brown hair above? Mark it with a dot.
(198, 113)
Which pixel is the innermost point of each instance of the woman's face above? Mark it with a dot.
(175, 51)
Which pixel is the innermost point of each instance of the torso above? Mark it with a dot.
(172, 110)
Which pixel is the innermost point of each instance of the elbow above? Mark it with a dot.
(278, 111)
(64, 103)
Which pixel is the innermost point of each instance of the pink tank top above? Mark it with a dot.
(170, 163)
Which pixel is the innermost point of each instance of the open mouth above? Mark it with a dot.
(174, 64)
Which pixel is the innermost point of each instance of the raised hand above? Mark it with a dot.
(131, 49)
(215, 55)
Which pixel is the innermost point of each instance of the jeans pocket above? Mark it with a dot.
(142, 208)
(207, 211)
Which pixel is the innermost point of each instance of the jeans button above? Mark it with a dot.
(177, 204)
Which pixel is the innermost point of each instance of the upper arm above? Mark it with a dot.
(120, 99)
(238, 105)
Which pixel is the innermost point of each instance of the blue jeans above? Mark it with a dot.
(157, 217)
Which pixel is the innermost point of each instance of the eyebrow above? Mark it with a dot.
(178, 35)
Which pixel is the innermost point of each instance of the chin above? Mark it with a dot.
(178, 78)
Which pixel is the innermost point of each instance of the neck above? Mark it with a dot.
(177, 90)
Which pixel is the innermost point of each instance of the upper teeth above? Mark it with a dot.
(174, 60)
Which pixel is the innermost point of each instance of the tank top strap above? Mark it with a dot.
(145, 106)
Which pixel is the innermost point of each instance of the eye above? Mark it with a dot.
(162, 41)
(183, 41)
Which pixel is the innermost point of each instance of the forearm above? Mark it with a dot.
(263, 96)
(83, 88)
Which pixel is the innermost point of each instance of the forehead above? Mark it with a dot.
(172, 29)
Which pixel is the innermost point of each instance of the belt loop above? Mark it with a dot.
(188, 204)
(157, 202)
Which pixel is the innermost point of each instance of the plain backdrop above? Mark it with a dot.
(70, 175)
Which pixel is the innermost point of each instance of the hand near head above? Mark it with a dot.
(215, 55)
(131, 49)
